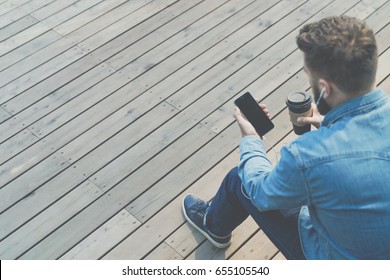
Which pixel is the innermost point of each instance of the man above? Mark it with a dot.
(329, 195)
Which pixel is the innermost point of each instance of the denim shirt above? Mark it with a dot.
(340, 177)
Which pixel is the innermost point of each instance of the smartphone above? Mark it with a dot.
(254, 114)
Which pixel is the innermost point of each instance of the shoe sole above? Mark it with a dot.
(215, 243)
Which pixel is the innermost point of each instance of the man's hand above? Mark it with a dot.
(245, 126)
(315, 120)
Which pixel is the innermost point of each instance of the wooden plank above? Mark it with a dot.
(120, 165)
(94, 26)
(11, 17)
(17, 26)
(6, 7)
(163, 252)
(46, 105)
(77, 126)
(64, 94)
(25, 186)
(35, 76)
(38, 227)
(104, 238)
(381, 38)
(69, 12)
(120, 27)
(381, 16)
(85, 168)
(190, 31)
(33, 5)
(87, 16)
(43, 126)
(52, 8)
(28, 49)
(109, 18)
(159, 165)
(86, 98)
(44, 26)
(386, 85)
(22, 10)
(15, 144)
(22, 38)
(40, 90)
(383, 67)
(279, 257)
(258, 247)
(19, 3)
(4, 115)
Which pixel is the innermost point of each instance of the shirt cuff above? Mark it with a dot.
(251, 143)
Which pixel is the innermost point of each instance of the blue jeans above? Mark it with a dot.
(231, 206)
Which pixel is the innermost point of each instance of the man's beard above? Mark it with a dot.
(322, 107)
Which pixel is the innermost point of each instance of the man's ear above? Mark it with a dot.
(324, 84)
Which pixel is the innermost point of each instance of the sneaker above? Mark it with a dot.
(195, 211)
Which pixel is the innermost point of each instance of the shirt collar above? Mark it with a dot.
(358, 104)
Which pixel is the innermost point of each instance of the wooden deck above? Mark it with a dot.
(112, 111)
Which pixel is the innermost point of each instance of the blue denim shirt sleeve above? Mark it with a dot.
(282, 187)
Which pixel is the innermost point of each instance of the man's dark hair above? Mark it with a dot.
(341, 49)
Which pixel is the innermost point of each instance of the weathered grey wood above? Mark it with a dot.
(44, 26)
(87, 118)
(279, 257)
(52, 8)
(15, 144)
(64, 94)
(163, 252)
(33, 5)
(256, 248)
(50, 103)
(39, 91)
(15, 27)
(24, 186)
(11, 17)
(87, 16)
(27, 49)
(4, 115)
(37, 228)
(36, 75)
(6, 7)
(104, 238)
(116, 199)
(43, 126)
(28, 3)
(383, 68)
(73, 175)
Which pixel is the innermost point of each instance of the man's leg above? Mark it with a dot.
(230, 207)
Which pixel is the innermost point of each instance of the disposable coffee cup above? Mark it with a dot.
(299, 105)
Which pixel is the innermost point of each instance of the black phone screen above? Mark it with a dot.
(254, 114)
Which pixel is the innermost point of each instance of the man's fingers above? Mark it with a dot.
(237, 115)
(265, 109)
(302, 120)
